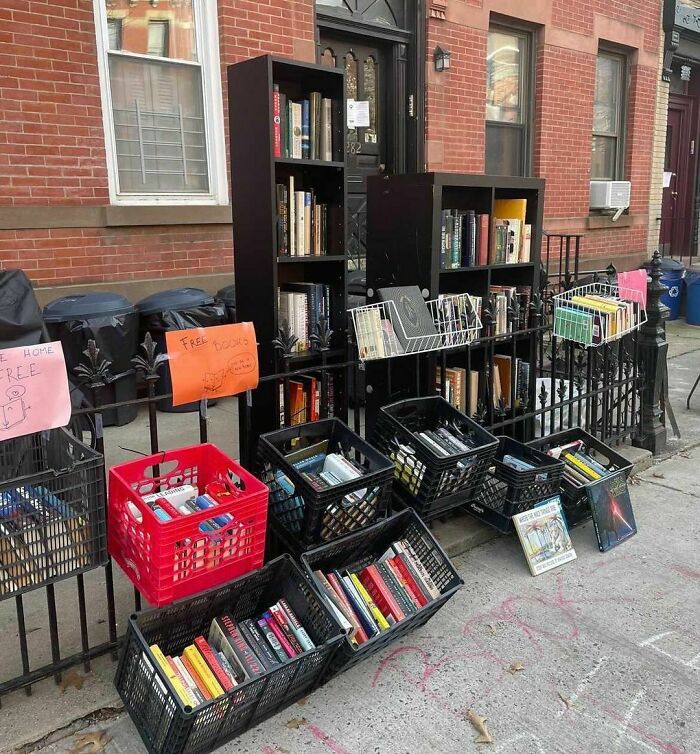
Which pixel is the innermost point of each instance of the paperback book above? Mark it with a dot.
(544, 536)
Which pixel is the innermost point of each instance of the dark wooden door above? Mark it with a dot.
(367, 79)
(676, 210)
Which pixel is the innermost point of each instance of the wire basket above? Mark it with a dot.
(382, 334)
(606, 316)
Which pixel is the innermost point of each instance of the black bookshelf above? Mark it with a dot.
(255, 172)
(404, 238)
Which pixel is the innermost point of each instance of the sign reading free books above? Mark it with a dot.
(212, 362)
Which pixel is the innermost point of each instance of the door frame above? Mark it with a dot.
(683, 220)
(406, 132)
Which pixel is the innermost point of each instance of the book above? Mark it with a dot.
(292, 214)
(299, 631)
(252, 643)
(326, 129)
(245, 657)
(296, 113)
(420, 591)
(284, 124)
(213, 662)
(333, 603)
(201, 686)
(377, 615)
(314, 124)
(350, 613)
(581, 466)
(188, 682)
(404, 546)
(201, 668)
(544, 536)
(305, 130)
(393, 581)
(379, 591)
(417, 331)
(611, 508)
(358, 605)
(175, 682)
(276, 121)
(272, 640)
(413, 598)
(282, 621)
(279, 634)
(368, 331)
(483, 223)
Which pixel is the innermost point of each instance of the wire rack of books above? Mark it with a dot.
(403, 323)
(596, 313)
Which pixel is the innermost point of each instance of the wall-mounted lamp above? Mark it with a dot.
(441, 58)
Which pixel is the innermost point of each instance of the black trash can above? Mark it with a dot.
(227, 297)
(112, 322)
(177, 309)
(20, 314)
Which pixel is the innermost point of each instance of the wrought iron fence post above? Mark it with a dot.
(652, 351)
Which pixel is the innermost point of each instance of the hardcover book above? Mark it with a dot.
(417, 330)
(544, 536)
(612, 512)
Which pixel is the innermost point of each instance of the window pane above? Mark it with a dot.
(604, 160)
(137, 21)
(504, 73)
(504, 150)
(114, 29)
(606, 110)
(158, 38)
(159, 126)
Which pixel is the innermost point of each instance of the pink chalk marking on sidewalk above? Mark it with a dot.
(324, 738)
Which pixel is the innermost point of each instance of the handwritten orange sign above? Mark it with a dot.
(212, 362)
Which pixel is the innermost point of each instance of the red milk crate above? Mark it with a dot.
(169, 560)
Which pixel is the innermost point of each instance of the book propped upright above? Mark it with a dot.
(544, 536)
(417, 331)
(611, 508)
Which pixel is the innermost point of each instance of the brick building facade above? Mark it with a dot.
(64, 220)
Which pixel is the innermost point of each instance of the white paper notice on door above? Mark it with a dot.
(667, 179)
(350, 113)
(361, 113)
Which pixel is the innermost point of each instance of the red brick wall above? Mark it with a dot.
(52, 140)
(567, 34)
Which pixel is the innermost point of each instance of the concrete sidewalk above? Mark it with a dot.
(610, 646)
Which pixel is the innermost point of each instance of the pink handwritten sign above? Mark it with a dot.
(33, 390)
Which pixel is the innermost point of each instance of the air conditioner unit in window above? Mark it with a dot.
(614, 195)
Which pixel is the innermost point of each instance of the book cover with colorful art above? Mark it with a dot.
(611, 508)
(544, 536)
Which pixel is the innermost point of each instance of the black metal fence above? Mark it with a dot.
(601, 389)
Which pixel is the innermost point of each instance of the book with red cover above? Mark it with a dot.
(203, 690)
(279, 633)
(373, 582)
(333, 581)
(276, 120)
(483, 250)
(283, 623)
(416, 597)
(212, 661)
(405, 567)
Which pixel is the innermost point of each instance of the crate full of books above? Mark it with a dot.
(52, 510)
(519, 479)
(440, 456)
(325, 481)
(185, 520)
(198, 673)
(587, 460)
(382, 583)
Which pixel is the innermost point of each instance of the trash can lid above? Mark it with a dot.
(176, 299)
(227, 295)
(86, 305)
(668, 264)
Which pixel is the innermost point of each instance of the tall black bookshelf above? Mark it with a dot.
(255, 172)
(404, 239)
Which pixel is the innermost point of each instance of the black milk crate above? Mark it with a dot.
(169, 727)
(507, 491)
(52, 510)
(356, 551)
(574, 498)
(304, 517)
(429, 483)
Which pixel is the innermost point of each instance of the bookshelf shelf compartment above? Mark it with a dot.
(306, 258)
(301, 162)
(518, 266)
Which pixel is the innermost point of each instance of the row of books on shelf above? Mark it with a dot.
(301, 306)
(580, 468)
(303, 223)
(233, 653)
(370, 600)
(308, 129)
(41, 536)
(505, 298)
(305, 399)
(593, 318)
(474, 239)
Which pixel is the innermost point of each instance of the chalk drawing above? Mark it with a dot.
(629, 716)
(652, 642)
(600, 662)
(520, 738)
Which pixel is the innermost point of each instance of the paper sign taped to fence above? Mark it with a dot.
(34, 391)
(212, 362)
(633, 286)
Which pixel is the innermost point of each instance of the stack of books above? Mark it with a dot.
(579, 467)
(41, 536)
(322, 471)
(368, 601)
(447, 440)
(594, 318)
(302, 221)
(459, 384)
(464, 239)
(301, 306)
(233, 653)
(307, 129)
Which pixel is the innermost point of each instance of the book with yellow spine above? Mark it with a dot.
(584, 467)
(377, 614)
(595, 303)
(180, 690)
(202, 669)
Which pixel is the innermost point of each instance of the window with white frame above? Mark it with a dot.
(162, 99)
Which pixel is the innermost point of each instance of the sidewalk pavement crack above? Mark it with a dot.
(75, 726)
(656, 483)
